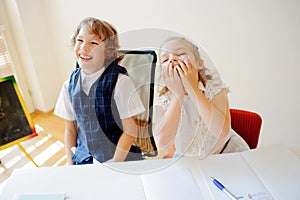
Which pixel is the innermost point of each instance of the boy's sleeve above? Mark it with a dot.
(63, 107)
(128, 101)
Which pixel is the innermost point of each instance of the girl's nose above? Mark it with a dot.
(173, 58)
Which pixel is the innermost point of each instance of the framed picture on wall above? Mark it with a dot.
(15, 121)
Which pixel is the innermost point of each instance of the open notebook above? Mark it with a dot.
(267, 173)
(175, 183)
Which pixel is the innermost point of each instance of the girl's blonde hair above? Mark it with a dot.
(106, 32)
(203, 77)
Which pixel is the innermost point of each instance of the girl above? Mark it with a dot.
(98, 102)
(192, 112)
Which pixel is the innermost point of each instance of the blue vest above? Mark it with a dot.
(97, 118)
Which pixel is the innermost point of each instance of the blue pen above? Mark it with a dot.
(223, 189)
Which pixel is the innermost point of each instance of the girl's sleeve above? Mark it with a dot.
(214, 86)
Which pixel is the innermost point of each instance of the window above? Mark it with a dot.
(6, 66)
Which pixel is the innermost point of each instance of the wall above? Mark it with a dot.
(254, 44)
(18, 65)
(34, 44)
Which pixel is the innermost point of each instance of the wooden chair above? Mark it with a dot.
(247, 124)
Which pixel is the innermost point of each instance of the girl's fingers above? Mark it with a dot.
(188, 63)
(179, 70)
(185, 66)
(166, 70)
(170, 70)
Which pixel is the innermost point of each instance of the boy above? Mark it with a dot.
(98, 102)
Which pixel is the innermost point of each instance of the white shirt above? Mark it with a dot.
(127, 99)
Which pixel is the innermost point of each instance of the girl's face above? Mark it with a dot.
(179, 49)
(89, 51)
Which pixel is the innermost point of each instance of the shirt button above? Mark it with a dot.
(195, 122)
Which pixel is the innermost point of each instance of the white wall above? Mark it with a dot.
(17, 63)
(254, 44)
(34, 44)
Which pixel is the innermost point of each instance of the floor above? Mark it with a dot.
(46, 149)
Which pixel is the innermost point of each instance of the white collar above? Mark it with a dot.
(87, 80)
(91, 76)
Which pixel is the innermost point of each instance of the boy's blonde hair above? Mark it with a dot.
(106, 32)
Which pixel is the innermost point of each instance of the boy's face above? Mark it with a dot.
(89, 51)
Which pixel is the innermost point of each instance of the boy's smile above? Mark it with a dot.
(89, 51)
(84, 58)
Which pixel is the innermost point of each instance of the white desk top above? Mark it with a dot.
(112, 180)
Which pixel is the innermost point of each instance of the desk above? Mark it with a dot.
(114, 180)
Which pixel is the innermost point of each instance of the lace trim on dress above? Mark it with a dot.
(214, 86)
(163, 101)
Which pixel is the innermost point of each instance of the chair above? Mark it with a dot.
(140, 65)
(247, 124)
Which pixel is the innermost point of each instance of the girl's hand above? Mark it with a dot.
(188, 74)
(172, 80)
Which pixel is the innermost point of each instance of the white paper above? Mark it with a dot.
(278, 169)
(264, 173)
(117, 186)
(171, 183)
(235, 174)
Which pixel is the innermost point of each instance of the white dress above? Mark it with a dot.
(193, 137)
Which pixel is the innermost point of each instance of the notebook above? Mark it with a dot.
(174, 183)
(266, 173)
